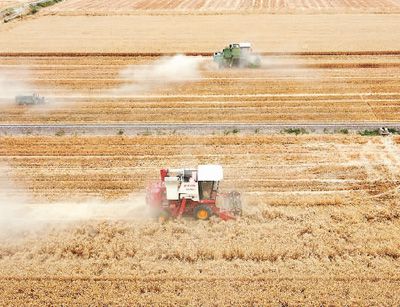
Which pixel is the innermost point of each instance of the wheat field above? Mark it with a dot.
(321, 215)
(320, 222)
(287, 89)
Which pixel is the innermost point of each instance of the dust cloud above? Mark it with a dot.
(137, 79)
(165, 71)
(288, 67)
(12, 84)
(20, 214)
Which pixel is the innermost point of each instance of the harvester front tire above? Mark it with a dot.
(202, 212)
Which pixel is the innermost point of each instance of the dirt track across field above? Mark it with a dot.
(192, 129)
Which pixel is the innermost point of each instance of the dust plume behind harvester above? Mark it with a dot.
(191, 191)
(238, 55)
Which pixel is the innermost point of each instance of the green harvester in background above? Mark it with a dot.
(237, 55)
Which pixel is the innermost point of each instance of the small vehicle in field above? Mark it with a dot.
(28, 100)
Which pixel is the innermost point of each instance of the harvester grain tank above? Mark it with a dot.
(192, 191)
(237, 55)
(33, 99)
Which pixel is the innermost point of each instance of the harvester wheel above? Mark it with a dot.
(202, 212)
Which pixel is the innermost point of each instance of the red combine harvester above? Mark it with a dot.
(192, 192)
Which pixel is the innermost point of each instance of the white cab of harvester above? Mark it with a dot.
(245, 45)
(184, 183)
(210, 172)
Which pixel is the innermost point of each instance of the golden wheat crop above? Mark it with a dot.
(308, 88)
(320, 223)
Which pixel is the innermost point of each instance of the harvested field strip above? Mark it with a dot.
(160, 54)
(293, 119)
(271, 105)
(122, 165)
(113, 60)
(206, 278)
(270, 61)
(233, 79)
(76, 7)
(96, 37)
(205, 97)
(270, 175)
(318, 240)
(80, 76)
(7, 4)
(265, 95)
(145, 291)
(201, 7)
(205, 83)
(277, 140)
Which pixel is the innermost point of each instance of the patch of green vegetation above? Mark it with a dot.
(48, 3)
(367, 132)
(60, 133)
(295, 131)
(145, 133)
(7, 12)
(233, 131)
(343, 131)
(34, 8)
(19, 11)
(394, 131)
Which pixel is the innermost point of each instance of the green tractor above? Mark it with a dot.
(237, 55)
